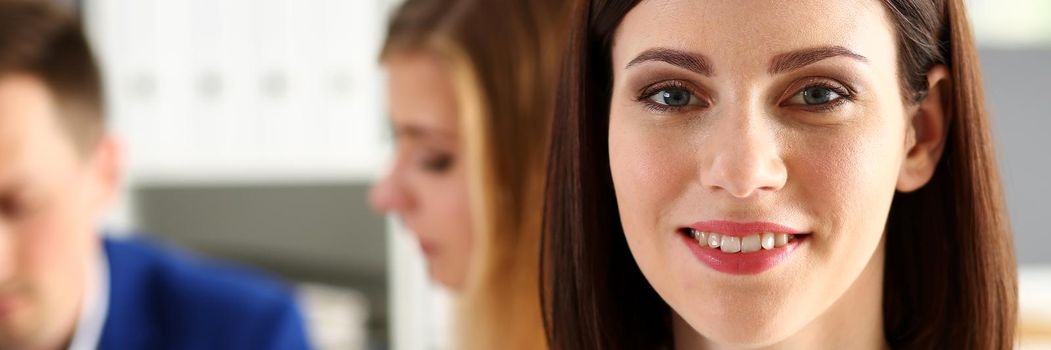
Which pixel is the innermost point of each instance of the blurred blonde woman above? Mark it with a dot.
(471, 90)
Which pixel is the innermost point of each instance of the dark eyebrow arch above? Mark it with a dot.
(801, 58)
(694, 62)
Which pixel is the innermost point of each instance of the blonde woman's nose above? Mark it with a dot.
(389, 196)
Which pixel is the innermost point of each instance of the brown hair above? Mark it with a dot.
(46, 42)
(504, 57)
(959, 292)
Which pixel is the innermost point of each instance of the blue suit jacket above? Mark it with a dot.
(161, 298)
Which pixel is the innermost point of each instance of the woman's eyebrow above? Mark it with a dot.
(781, 63)
(694, 62)
(801, 58)
(416, 132)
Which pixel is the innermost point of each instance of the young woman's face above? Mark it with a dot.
(427, 186)
(748, 121)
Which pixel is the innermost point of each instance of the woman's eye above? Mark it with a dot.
(815, 96)
(437, 163)
(674, 97)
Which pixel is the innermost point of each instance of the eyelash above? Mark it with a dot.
(437, 163)
(845, 95)
(649, 91)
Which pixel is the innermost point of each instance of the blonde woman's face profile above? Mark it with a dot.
(755, 148)
(427, 186)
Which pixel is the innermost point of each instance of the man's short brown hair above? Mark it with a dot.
(42, 40)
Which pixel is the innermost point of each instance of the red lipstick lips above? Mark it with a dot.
(730, 228)
(732, 258)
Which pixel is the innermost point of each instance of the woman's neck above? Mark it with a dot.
(855, 321)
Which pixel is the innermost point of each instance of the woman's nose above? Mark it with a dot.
(743, 158)
(388, 195)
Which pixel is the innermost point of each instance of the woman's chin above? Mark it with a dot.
(742, 322)
(444, 277)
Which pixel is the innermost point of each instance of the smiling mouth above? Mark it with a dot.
(741, 248)
(748, 243)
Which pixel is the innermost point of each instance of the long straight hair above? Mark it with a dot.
(950, 279)
(503, 56)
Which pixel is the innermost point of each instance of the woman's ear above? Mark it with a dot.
(926, 133)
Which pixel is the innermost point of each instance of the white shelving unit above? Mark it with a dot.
(205, 90)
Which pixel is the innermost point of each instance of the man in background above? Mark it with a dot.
(62, 286)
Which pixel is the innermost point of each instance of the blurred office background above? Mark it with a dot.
(254, 128)
(1014, 39)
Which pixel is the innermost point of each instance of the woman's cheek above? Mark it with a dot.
(847, 182)
(443, 219)
(649, 170)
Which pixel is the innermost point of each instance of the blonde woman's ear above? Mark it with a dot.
(927, 132)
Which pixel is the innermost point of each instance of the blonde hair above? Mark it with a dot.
(503, 58)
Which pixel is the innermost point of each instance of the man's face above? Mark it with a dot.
(50, 199)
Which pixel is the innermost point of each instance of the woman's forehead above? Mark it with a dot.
(738, 34)
(421, 97)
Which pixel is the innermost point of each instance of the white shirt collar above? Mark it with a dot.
(95, 306)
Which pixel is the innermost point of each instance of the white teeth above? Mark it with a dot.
(730, 244)
(714, 239)
(750, 244)
(781, 239)
(746, 244)
(767, 240)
